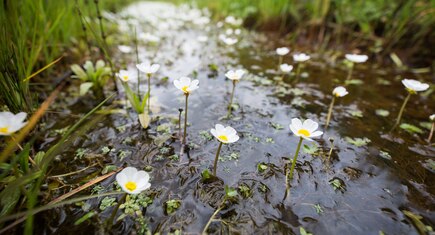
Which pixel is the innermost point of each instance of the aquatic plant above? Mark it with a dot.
(305, 130)
(133, 181)
(412, 86)
(299, 59)
(281, 51)
(285, 69)
(230, 194)
(92, 76)
(337, 92)
(11, 123)
(234, 76)
(351, 60)
(186, 85)
(225, 135)
(149, 69)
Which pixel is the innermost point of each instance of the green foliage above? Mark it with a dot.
(91, 76)
(411, 128)
(172, 205)
(358, 142)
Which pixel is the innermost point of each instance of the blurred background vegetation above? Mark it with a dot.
(375, 26)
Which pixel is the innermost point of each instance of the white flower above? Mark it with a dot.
(301, 57)
(282, 51)
(133, 181)
(356, 58)
(285, 68)
(202, 38)
(225, 135)
(219, 24)
(201, 20)
(432, 117)
(340, 91)
(233, 20)
(235, 75)
(148, 68)
(305, 130)
(186, 84)
(125, 75)
(10, 123)
(413, 85)
(124, 49)
(237, 31)
(229, 31)
(227, 40)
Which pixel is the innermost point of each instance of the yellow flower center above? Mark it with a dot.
(223, 138)
(184, 88)
(125, 78)
(130, 185)
(411, 91)
(304, 132)
(4, 130)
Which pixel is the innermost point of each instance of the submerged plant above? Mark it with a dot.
(234, 76)
(412, 86)
(432, 119)
(300, 58)
(305, 130)
(94, 77)
(337, 92)
(281, 51)
(11, 123)
(186, 85)
(149, 69)
(136, 101)
(225, 135)
(352, 59)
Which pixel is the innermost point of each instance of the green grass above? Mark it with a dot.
(36, 32)
(380, 25)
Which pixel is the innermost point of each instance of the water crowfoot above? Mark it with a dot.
(300, 58)
(149, 69)
(337, 92)
(225, 135)
(412, 86)
(281, 51)
(186, 85)
(235, 76)
(352, 59)
(305, 130)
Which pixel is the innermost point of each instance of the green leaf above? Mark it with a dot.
(382, 112)
(85, 217)
(411, 128)
(310, 149)
(9, 198)
(84, 88)
(79, 72)
(359, 142)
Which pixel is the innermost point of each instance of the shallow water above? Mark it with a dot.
(375, 189)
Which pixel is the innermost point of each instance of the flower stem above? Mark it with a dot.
(431, 132)
(330, 150)
(349, 74)
(216, 158)
(293, 163)
(204, 231)
(231, 99)
(399, 117)
(137, 61)
(279, 62)
(328, 118)
(185, 119)
(149, 91)
(298, 71)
